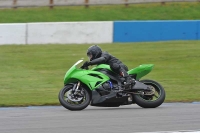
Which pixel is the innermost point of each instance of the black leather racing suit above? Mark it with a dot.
(115, 64)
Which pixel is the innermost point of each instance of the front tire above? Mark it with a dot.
(151, 101)
(74, 103)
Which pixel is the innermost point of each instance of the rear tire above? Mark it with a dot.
(71, 105)
(147, 101)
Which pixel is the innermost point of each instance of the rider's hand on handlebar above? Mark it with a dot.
(85, 65)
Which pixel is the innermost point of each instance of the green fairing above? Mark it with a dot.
(86, 77)
(93, 79)
(141, 70)
(104, 66)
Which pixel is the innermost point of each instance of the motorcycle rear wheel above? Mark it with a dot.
(73, 102)
(151, 101)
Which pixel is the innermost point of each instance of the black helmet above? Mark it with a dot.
(94, 52)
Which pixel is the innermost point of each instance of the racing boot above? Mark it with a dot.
(128, 82)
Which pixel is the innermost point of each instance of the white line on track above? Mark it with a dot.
(181, 131)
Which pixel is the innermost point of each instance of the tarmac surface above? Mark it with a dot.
(123, 119)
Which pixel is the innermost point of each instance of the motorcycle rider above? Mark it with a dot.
(96, 57)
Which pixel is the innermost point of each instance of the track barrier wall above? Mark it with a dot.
(70, 33)
(147, 31)
(12, 34)
(98, 32)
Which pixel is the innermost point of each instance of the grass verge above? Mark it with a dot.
(169, 11)
(33, 74)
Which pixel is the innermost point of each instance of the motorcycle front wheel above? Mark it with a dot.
(72, 101)
(152, 100)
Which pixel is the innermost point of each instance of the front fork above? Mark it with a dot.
(75, 88)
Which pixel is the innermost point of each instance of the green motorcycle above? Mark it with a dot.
(100, 86)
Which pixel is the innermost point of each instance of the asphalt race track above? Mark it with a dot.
(124, 119)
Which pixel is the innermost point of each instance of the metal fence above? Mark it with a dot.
(52, 3)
